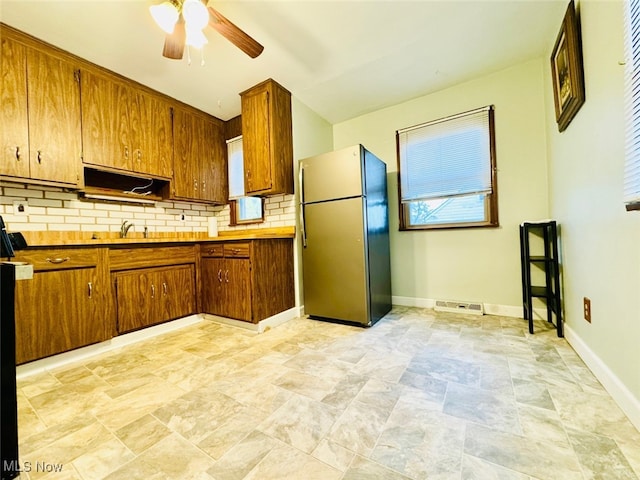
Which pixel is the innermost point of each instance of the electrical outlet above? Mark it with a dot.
(587, 309)
(21, 208)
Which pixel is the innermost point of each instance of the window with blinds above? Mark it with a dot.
(447, 172)
(632, 105)
(243, 209)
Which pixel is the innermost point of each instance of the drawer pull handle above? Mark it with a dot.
(153, 291)
(211, 251)
(58, 260)
(90, 289)
(164, 288)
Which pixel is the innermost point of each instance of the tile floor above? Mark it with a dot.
(421, 395)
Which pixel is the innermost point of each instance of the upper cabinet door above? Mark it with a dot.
(256, 142)
(267, 139)
(105, 123)
(213, 165)
(14, 134)
(155, 153)
(55, 137)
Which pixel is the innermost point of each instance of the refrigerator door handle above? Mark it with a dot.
(302, 225)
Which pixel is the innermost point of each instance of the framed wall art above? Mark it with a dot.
(567, 71)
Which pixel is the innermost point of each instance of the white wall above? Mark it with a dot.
(481, 264)
(600, 240)
(311, 135)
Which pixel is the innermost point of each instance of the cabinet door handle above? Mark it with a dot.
(204, 185)
(126, 152)
(226, 276)
(39, 156)
(195, 184)
(18, 153)
(153, 291)
(58, 260)
(220, 275)
(164, 287)
(90, 285)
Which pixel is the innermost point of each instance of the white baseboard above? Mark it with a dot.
(629, 404)
(62, 359)
(489, 308)
(262, 325)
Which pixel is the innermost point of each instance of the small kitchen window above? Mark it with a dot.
(447, 172)
(244, 210)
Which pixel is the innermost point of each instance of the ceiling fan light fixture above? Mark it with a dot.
(195, 14)
(195, 38)
(165, 15)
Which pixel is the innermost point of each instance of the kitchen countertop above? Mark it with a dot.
(85, 239)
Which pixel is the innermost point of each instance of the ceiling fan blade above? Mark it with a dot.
(174, 42)
(232, 33)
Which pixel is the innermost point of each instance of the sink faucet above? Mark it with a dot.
(124, 228)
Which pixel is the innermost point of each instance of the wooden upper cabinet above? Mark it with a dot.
(125, 128)
(14, 134)
(41, 126)
(199, 161)
(105, 122)
(156, 136)
(267, 139)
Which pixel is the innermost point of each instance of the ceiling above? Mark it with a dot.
(340, 58)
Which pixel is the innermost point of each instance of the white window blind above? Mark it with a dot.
(446, 158)
(632, 103)
(235, 167)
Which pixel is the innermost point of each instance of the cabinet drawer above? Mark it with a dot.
(238, 250)
(59, 258)
(212, 250)
(141, 257)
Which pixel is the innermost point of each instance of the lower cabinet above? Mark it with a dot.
(247, 280)
(66, 304)
(153, 295)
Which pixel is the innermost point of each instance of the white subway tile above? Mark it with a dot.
(23, 192)
(44, 202)
(71, 212)
(29, 227)
(78, 204)
(58, 195)
(82, 220)
(94, 228)
(106, 206)
(53, 219)
(144, 216)
(182, 205)
(64, 227)
(94, 213)
(109, 221)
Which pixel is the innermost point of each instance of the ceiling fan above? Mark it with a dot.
(184, 20)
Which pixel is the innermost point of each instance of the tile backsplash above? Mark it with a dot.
(54, 209)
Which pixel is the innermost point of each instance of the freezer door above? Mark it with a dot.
(332, 175)
(334, 261)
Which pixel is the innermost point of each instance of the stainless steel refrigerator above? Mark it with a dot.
(345, 232)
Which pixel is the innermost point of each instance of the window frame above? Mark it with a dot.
(234, 211)
(631, 181)
(490, 201)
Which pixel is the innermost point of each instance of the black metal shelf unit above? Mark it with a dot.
(547, 262)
